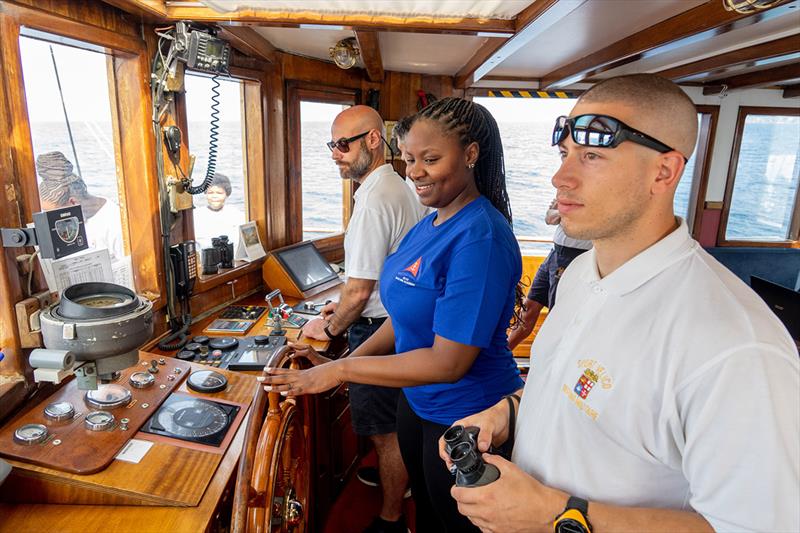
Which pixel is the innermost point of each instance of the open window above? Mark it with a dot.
(761, 196)
(316, 189)
(70, 104)
(223, 207)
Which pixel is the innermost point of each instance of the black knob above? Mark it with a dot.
(185, 355)
(193, 347)
(261, 340)
(200, 339)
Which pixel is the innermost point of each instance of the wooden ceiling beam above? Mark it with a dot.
(370, 50)
(251, 17)
(529, 23)
(791, 91)
(150, 10)
(248, 41)
(768, 50)
(760, 78)
(694, 25)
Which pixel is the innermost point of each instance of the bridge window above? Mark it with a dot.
(223, 207)
(692, 185)
(526, 126)
(67, 90)
(761, 200)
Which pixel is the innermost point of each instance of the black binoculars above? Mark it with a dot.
(220, 255)
(461, 444)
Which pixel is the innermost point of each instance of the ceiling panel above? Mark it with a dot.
(427, 53)
(306, 42)
(591, 27)
(751, 35)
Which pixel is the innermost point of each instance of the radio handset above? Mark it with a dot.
(184, 267)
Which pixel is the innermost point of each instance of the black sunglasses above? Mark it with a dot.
(343, 145)
(603, 131)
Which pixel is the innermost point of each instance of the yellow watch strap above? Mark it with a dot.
(572, 514)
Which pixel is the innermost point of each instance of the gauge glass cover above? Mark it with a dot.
(142, 380)
(58, 411)
(108, 396)
(99, 420)
(30, 434)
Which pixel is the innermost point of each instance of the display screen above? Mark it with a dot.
(306, 265)
(213, 48)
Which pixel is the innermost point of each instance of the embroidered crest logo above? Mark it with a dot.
(585, 383)
(414, 267)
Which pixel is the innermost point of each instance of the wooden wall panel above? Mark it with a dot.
(91, 12)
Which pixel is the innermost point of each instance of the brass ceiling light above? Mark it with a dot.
(748, 6)
(345, 53)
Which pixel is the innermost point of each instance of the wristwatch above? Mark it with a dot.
(327, 332)
(574, 518)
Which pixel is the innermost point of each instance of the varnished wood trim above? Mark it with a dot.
(776, 48)
(370, 50)
(760, 78)
(150, 10)
(729, 185)
(83, 31)
(250, 42)
(686, 28)
(458, 25)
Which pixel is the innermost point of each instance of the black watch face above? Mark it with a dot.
(568, 525)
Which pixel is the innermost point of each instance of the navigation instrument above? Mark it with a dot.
(192, 419)
(207, 381)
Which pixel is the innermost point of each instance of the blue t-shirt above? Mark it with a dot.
(457, 280)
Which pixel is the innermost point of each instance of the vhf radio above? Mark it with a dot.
(203, 51)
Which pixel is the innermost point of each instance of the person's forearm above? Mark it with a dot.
(519, 334)
(607, 518)
(417, 367)
(351, 304)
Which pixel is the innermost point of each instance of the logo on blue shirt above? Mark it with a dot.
(412, 269)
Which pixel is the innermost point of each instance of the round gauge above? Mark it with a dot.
(108, 396)
(68, 229)
(207, 381)
(142, 380)
(98, 421)
(192, 418)
(30, 434)
(58, 411)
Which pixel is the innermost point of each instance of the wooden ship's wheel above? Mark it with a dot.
(273, 483)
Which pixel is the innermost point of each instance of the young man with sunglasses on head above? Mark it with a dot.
(385, 209)
(663, 395)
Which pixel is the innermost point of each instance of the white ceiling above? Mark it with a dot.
(591, 27)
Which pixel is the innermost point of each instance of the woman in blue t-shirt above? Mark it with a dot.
(450, 291)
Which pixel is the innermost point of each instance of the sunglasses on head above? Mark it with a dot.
(602, 131)
(343, 144)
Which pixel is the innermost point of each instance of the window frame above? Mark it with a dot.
(705, 151)
(297, 92)
(794, 225)
(128, 71)
(253, 85)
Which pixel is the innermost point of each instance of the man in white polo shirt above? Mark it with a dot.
(663, 394)
(385, 209)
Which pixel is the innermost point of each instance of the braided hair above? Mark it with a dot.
(472, 122)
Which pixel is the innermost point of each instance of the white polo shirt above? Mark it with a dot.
(670, 384)
(385, 209)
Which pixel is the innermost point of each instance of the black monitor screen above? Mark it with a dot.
(305, 265)
(783, 301)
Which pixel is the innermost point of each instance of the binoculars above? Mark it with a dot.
(220, 255)
(461, 444)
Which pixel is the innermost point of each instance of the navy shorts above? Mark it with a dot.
(372, 408)
(543, 288)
